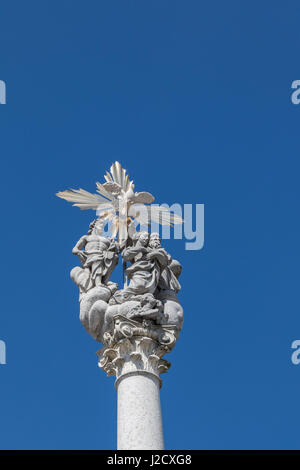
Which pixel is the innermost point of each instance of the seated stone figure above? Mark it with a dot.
(145, 270)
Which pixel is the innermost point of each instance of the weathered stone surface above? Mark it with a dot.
(137, 347)
(139, 323)
(151, 293)
(139, 413)
(134, 355)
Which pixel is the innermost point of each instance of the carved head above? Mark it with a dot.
(154, 241)
(96, 227)
(141, 237)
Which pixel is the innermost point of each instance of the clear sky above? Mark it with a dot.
(193, 98)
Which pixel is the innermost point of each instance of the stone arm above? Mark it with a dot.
(161, 256)
(130, 253)
(78, 247)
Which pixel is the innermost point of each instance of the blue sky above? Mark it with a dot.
(193, 98)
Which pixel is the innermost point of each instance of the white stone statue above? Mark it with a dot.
(98, 256)
(150, 295)
(147, 265)
(140, 322)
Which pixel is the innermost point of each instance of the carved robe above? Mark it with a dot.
(101, 258)
(144, 273)
(168, 279)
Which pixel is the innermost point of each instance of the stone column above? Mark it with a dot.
(139, 412)
(134, 357)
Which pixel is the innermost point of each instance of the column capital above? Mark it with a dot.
(137, 348)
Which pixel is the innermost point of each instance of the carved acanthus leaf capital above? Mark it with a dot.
(137, 347)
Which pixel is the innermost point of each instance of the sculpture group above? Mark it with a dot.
(152, 278)
(140, 321)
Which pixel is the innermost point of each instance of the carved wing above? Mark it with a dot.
(84, 199)
(143, 198)
(101, 190)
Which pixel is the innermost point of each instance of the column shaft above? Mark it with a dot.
(139, 412)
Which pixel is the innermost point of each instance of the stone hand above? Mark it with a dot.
(79, 254)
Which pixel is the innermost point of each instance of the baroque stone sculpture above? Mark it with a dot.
(140, 322)
(147, 306)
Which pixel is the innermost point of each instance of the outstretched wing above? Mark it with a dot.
(143, 198)
(84, 199)
(101, 190)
